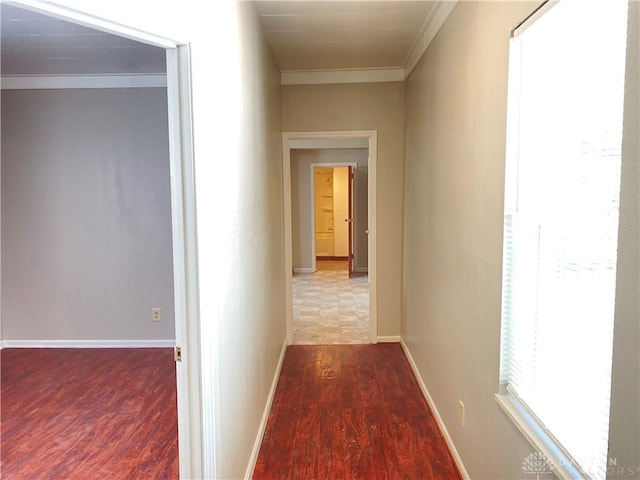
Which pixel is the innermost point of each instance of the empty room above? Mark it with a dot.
(88, 375)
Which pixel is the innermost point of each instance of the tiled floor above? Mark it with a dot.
(330, 308)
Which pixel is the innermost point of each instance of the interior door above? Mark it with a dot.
(350, 220)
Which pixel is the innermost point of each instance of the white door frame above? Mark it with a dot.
(372, 137)
(192, 456)
(313, 203)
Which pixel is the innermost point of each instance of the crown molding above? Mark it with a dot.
(52, 82)
(364, 75)
(91, 21)
(430, 28)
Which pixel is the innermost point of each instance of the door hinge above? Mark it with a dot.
(177, 354)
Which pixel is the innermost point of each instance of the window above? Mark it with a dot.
(566, 89)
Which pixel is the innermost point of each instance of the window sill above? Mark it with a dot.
(557, 461)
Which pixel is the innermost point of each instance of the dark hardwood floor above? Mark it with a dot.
(351, 412)
(88, 414)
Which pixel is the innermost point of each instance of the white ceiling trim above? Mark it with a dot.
(432, 25)
(19, 82)
(91, 21)
(312, 77)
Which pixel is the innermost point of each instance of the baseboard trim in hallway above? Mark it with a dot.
(304, 270)
(265, 416)
(389, 339)
(434, 410)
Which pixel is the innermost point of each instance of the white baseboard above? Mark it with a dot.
(88, 343)
(390, 339)
(265, 416)
(304, 270)
(436, 414)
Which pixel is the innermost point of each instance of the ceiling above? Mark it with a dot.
(327, 35)
(34, 44)
(304, 35)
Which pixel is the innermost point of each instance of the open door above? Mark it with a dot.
(350, 221)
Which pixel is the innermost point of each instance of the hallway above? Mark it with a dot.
(351, 411)
(434, 91)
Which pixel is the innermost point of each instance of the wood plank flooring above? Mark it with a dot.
(351, 412)
(88, 414)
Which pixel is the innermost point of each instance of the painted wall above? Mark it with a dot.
(86, 215)
(246, 267)
(454, 186)
(374, 106)
(222, 117)
(624, 419)
(301, 160)
(237, 149)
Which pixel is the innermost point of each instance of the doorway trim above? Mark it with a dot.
(372, 137)
(313, 198)
(192, 457)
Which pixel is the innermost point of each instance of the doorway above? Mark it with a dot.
(293, 140)
(333, 215)
(330, 305)
(182, 220)
(331, 204)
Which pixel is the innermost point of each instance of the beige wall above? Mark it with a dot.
(237, 155)
(301, 161)
(238, 163)
(86, 215)
(624, 421)
(454, 187)
(251, 325)
(376, 106)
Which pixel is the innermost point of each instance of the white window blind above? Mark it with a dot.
(561, 222)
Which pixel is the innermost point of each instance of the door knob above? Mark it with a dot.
(366, 232)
